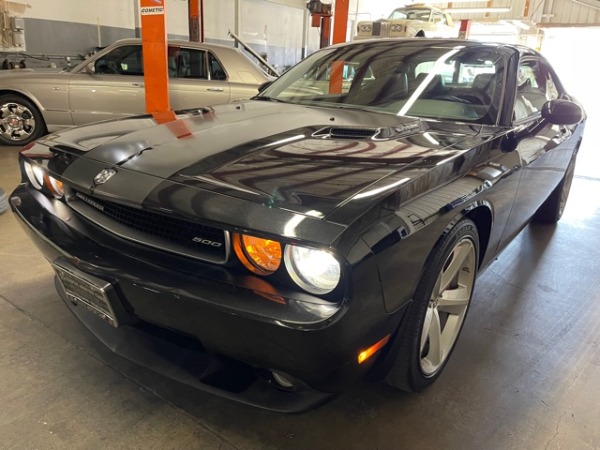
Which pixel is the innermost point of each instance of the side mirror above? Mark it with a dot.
(265, 85)
(91, 68)
(562, 112)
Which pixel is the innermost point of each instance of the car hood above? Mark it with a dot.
(29, 73)
(304, 160)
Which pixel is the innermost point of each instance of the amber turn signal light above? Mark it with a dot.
(260, 256)
(55, 186)
(366, 354)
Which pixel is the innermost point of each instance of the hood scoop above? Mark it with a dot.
(376, 134)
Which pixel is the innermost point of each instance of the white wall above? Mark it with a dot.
(219, 17)
(111, 13)
(177, 17)
(114, 13)
(273, 26)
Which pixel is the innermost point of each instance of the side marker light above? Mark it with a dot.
(366, 354)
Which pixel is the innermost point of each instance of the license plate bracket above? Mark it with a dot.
(88, 291)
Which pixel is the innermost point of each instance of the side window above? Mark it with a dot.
(126, 60)
(531, 90)
(216, 70)
(173, 58)
(552, 92)
(535, 86)
(439, 18)
(192, 64)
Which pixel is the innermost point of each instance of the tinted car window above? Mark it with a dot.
(192, 64)
(126, 60)
(535, 86)
(216, 69)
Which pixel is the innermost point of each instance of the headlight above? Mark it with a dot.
(365, 28)
(261, 256)
(396, 28)
(316, 271)
(56, 187)
(35, 174)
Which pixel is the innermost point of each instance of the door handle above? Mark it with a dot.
(215, 89)
(138, 84)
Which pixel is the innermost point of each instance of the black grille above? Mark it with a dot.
(162, 231)
(376, 28)
(350, 133)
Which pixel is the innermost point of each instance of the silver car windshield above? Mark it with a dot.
(420, 80)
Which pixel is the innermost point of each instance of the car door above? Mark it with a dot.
(113, 88)
(197, 78)
(544, 149)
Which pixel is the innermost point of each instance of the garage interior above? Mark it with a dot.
(525, 373)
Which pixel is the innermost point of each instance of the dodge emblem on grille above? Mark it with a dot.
(104, 176)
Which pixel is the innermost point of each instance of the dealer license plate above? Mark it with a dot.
(88, 291)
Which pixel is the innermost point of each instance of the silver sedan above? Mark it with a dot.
(111, 84)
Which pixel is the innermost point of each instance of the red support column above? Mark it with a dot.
(154, 45)
(465, 28)
(325, 31)
(336, 77)
(340, 21)
(194, 20)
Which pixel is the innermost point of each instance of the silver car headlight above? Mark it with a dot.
(365, 28)
(35, 174)
(396, 28)
(316, 271)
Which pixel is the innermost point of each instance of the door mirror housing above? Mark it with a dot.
(91, 68)
(562, 112)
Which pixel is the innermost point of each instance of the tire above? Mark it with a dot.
(20, 120)
(552, 209)
(436, 315)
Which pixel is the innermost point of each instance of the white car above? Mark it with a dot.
(416, 20)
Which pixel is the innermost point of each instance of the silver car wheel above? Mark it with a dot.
(448, 306)
(17, 122)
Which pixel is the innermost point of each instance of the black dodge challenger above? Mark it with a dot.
(278, 250)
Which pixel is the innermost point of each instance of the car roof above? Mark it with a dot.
(175, 42)
(448, 43)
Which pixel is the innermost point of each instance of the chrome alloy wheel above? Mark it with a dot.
(17, 122)
(448, 306)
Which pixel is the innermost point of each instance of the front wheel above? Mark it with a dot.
(552, 209)
(20, 120)
(436, 315)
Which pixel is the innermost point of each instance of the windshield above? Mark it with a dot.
(402, 78)
(411, 14)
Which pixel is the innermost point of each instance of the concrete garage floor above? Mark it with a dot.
(525, 375)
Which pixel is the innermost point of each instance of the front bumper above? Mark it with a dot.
(207, 331)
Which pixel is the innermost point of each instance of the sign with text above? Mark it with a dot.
(152, 10)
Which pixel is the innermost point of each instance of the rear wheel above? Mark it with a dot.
(552, 209)
(438, 310)
(20, 120)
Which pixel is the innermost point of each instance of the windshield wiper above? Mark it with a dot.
(265, 98)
